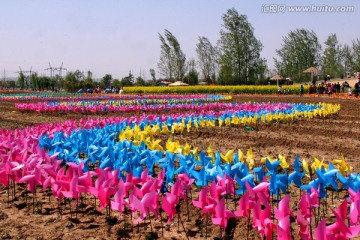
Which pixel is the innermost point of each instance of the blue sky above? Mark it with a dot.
(118, 36)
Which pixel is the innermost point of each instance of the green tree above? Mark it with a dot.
(347, 59)
(21, 80)
(52, 83)
(140, 81)
(192, 77)
(356, 56)
(106, 81)
(116, 84)
(259, 73)
(153, 77)
(239, 49)
(89, 83)
(172, 59)
(70, 82)
(300, 50)
(34, 81)
(128, 80)
(331, 61)
(45, 82)
(207, 59)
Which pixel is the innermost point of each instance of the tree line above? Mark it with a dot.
(235, 59)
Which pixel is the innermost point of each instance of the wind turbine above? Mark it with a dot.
(51, 70)
(60, 69)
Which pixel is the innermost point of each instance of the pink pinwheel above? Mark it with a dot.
(283, 216)
(104, 187)
(227, 184)
(74, 189)
(214, 191)
(103, 192)
(145, 206)
(262, 220)
(119, 203)
(339, 228)
(169, 202)
(160, 179)
(147, 187)
(304, 232)
(321, 233)
(33, 179)
(354, 206)
(5, 171)
(145, 176)
(178, 190)
(185, 180)
(244, 206)
(202, 198)
(259, 193)
(222, 215)
(131, 182)
(307, 202)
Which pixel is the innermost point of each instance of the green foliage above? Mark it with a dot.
(356, 56)
(71, 82)
(21, 80)
(192, 78)
(239, 50)
(128, 80)
(347, 58)
(116, 84)
(106, 81)
(172, 59)
(140, 81)
(88, 82)
(331, 61)
(153, 77)
(300, 50)
(207, 59)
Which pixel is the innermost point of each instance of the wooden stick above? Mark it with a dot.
(187, 206)
(206, 225)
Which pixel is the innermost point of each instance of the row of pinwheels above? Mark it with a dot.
(39, 96)
(142, 194)
(139, 104)
(62, 96)
(123, 176)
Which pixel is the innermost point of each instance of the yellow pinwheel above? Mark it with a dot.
(269, 158)
(235, 120)
(221, 122)
(188, 126)
(250, 159)
(240, 156)
(342, 165)
(165, 129)
(196, 123)
(170, 146)
(228, 157)
(305, 165)
(155, 145)
(317, 164)
(186, 149)
(283, 162)
(156, 129)
(227, 122)
(210, 153)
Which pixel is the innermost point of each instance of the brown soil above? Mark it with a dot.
(326, 138)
